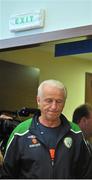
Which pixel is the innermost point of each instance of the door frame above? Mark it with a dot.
(37, 39)
(88, 77)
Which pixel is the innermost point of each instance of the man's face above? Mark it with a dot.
(51, 103)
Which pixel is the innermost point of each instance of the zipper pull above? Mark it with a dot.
(52, 155)
(52, 162)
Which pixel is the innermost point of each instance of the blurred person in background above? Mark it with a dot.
(82, 116)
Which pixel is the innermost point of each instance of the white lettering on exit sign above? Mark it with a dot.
(32, 20)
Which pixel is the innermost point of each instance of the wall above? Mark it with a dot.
(70, 70)
(60, 14)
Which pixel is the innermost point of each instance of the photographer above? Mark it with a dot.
(9, 120)
(7, 124)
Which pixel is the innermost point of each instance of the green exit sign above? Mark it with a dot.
(24, 20)
(32, 20)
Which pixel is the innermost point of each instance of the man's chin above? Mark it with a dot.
(52, 116)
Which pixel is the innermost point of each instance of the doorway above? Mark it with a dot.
(88, 88)
(18, 86)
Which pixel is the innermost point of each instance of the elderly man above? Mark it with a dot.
(47, 146)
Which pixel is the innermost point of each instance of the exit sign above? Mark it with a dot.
(32, 20)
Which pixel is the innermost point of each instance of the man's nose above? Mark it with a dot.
(54, 104)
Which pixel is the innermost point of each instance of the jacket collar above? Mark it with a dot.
(35, 130)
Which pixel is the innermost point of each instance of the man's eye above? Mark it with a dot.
(48, 100)
(59, 101)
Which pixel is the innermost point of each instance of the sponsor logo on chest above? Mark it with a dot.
(34, 141)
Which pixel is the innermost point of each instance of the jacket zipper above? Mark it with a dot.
(52, 157)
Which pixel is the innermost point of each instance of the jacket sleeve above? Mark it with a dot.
(11, 163)
(12, 158)
(84, 165)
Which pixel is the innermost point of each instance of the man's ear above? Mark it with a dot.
(38, 100)
(84, 119)
(83, 122)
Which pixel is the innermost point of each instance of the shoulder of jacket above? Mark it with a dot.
(75, 128)
(23, 126)
(20, 130)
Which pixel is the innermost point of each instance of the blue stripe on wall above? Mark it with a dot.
(70, 48)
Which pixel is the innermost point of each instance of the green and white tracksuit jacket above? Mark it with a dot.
(27, 155)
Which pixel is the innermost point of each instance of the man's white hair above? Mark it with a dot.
(52, 83)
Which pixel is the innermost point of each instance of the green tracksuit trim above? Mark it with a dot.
(21, 129)
(75, 128)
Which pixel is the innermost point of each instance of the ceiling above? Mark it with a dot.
(50, 47)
